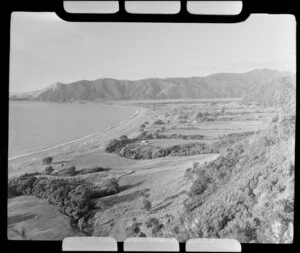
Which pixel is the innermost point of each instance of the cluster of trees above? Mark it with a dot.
(68, 172)
(136, 151)
(47, 160)
(207, 116)
(159, 122)
(156, 135)
(132, 149)
(152, 223)
(73, 197)
(116, 145)
(71, 171)
(248, 192)
(155, 225)
(134, 230)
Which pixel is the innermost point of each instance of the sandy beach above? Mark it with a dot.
(67, 151)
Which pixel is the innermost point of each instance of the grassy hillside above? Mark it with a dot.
(248, 192)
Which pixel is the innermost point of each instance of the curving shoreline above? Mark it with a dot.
(137, 113)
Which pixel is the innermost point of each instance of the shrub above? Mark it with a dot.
(147, 204)
(157, 228)
(47, 160)
(152, 221)
(201, 183)
(90, 170)
(67, 172)
(141, 234)
(123, 137)
(195, 165)
(145, 193)
(112, 145)
(48, 170)
(188, 174)
(158, 122)
(198, 115)
(176, 230)
(112, 186)
(100, 205)
(134, 229)
(275, 118)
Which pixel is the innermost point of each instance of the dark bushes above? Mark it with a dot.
(134, 230)
(112, 186)
(116, 145)
(158, 122)
(72, 197)
(91, 170)
(123, 137)
(71, 171)
(201, 184)
(155, 224)
(188, 174)
(152, 221)
(48, 170)
(147, 204)
(132, 149)
(47, 160)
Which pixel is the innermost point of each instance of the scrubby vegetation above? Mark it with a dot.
(134, 230)
(248, 192)
(155, 225)
(48, 170)
(73, 197)
(147, 204)
(145, 199)
(131, 148)
(71, 171)
(158, 122)
(47, 160)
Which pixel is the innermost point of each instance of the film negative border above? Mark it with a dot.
(286, 7)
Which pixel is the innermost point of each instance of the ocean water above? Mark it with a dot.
(34, 126)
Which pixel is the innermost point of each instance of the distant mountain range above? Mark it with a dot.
(219, 85)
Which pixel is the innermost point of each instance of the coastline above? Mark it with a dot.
(67, 151)
(79, 139)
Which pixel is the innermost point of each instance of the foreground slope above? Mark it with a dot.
(248, 192)
(279, 93)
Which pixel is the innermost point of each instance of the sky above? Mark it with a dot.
(45, 49)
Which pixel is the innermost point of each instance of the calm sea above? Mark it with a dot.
(34, 126)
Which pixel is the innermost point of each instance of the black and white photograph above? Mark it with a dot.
(169, 130)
